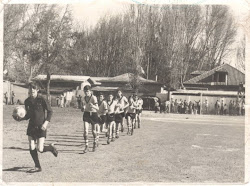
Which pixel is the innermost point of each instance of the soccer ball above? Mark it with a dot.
(18, 112)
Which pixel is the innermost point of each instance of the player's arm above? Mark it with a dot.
(82, 105)
(105, 107)
(27, 115)
(126, 103)
(47, 107)
(94, 105)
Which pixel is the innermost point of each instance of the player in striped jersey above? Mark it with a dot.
(103, 109)
(90, 116)
(130, 116)
(122, 104)
(111, 103)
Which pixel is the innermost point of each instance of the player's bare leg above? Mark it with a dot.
(85, 135)
(139, 120)
(95, 132)
(113, 131)
(109, 133)
(129, 125)
(133, 125)
(46, 148)
(122, 128)
(117, 128)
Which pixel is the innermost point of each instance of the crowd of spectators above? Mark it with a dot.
(196, 107)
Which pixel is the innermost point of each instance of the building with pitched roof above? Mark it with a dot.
(221, 83)
(223, 78)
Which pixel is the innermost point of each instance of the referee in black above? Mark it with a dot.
(35, 106)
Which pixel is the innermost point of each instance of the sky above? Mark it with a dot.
(89, 11)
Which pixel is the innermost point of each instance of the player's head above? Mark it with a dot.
(135, 96)
(87, 90)
(33, 89)
(101, 96)
(130, 99)
(119, 93)
(110, 97)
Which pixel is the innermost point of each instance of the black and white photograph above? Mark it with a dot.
(124, 92)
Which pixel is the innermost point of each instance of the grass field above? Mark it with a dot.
(168, 148)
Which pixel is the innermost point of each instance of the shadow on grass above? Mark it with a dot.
(19, 169)
(16, 148)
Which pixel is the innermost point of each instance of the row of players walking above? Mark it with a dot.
(102, 115)
(194, 107)
(108, 115)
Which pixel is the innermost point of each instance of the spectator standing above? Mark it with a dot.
(243, 108)
(195, 107)
(176, 106)
(157, 106)
(79, 100)
(217, 107)
(206, 106)
(58, 101)
(6, 98)
(230, 108)
(62, 100)
(222, 107)
(225, 109)
(13, 98)
(190, 107)
(198, 107)
(185, 107)
(167, 106)
(234, 108)
(172, 106)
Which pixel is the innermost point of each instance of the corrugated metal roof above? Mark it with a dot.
(62, 78)
(207, 92)
(121, 78)
(235, 77)
(198, 72)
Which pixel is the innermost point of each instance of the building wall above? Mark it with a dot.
(20, 93)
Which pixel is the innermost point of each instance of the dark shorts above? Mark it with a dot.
(119, 117)
(110, 118)
(36, 132)
(131, 115)
(138, 111)
(123, 114)
(91, 117)
(102, 119)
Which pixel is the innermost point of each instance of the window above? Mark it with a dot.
(222, 77)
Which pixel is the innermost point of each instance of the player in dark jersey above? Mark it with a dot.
(36, 106)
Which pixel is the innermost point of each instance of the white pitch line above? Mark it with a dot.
(193, 122)
(190, 119)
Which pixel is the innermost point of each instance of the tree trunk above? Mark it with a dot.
(30, 76)
(48, 88)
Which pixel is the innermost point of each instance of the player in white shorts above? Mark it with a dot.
(122, 104)
(130, 115)
(90, 116)
(111, 103)
(139, 103)
(103, 109)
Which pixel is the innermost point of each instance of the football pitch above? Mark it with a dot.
(167, 148)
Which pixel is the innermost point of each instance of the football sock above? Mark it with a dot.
(34, 156)
(86, 140)
(47, 148)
